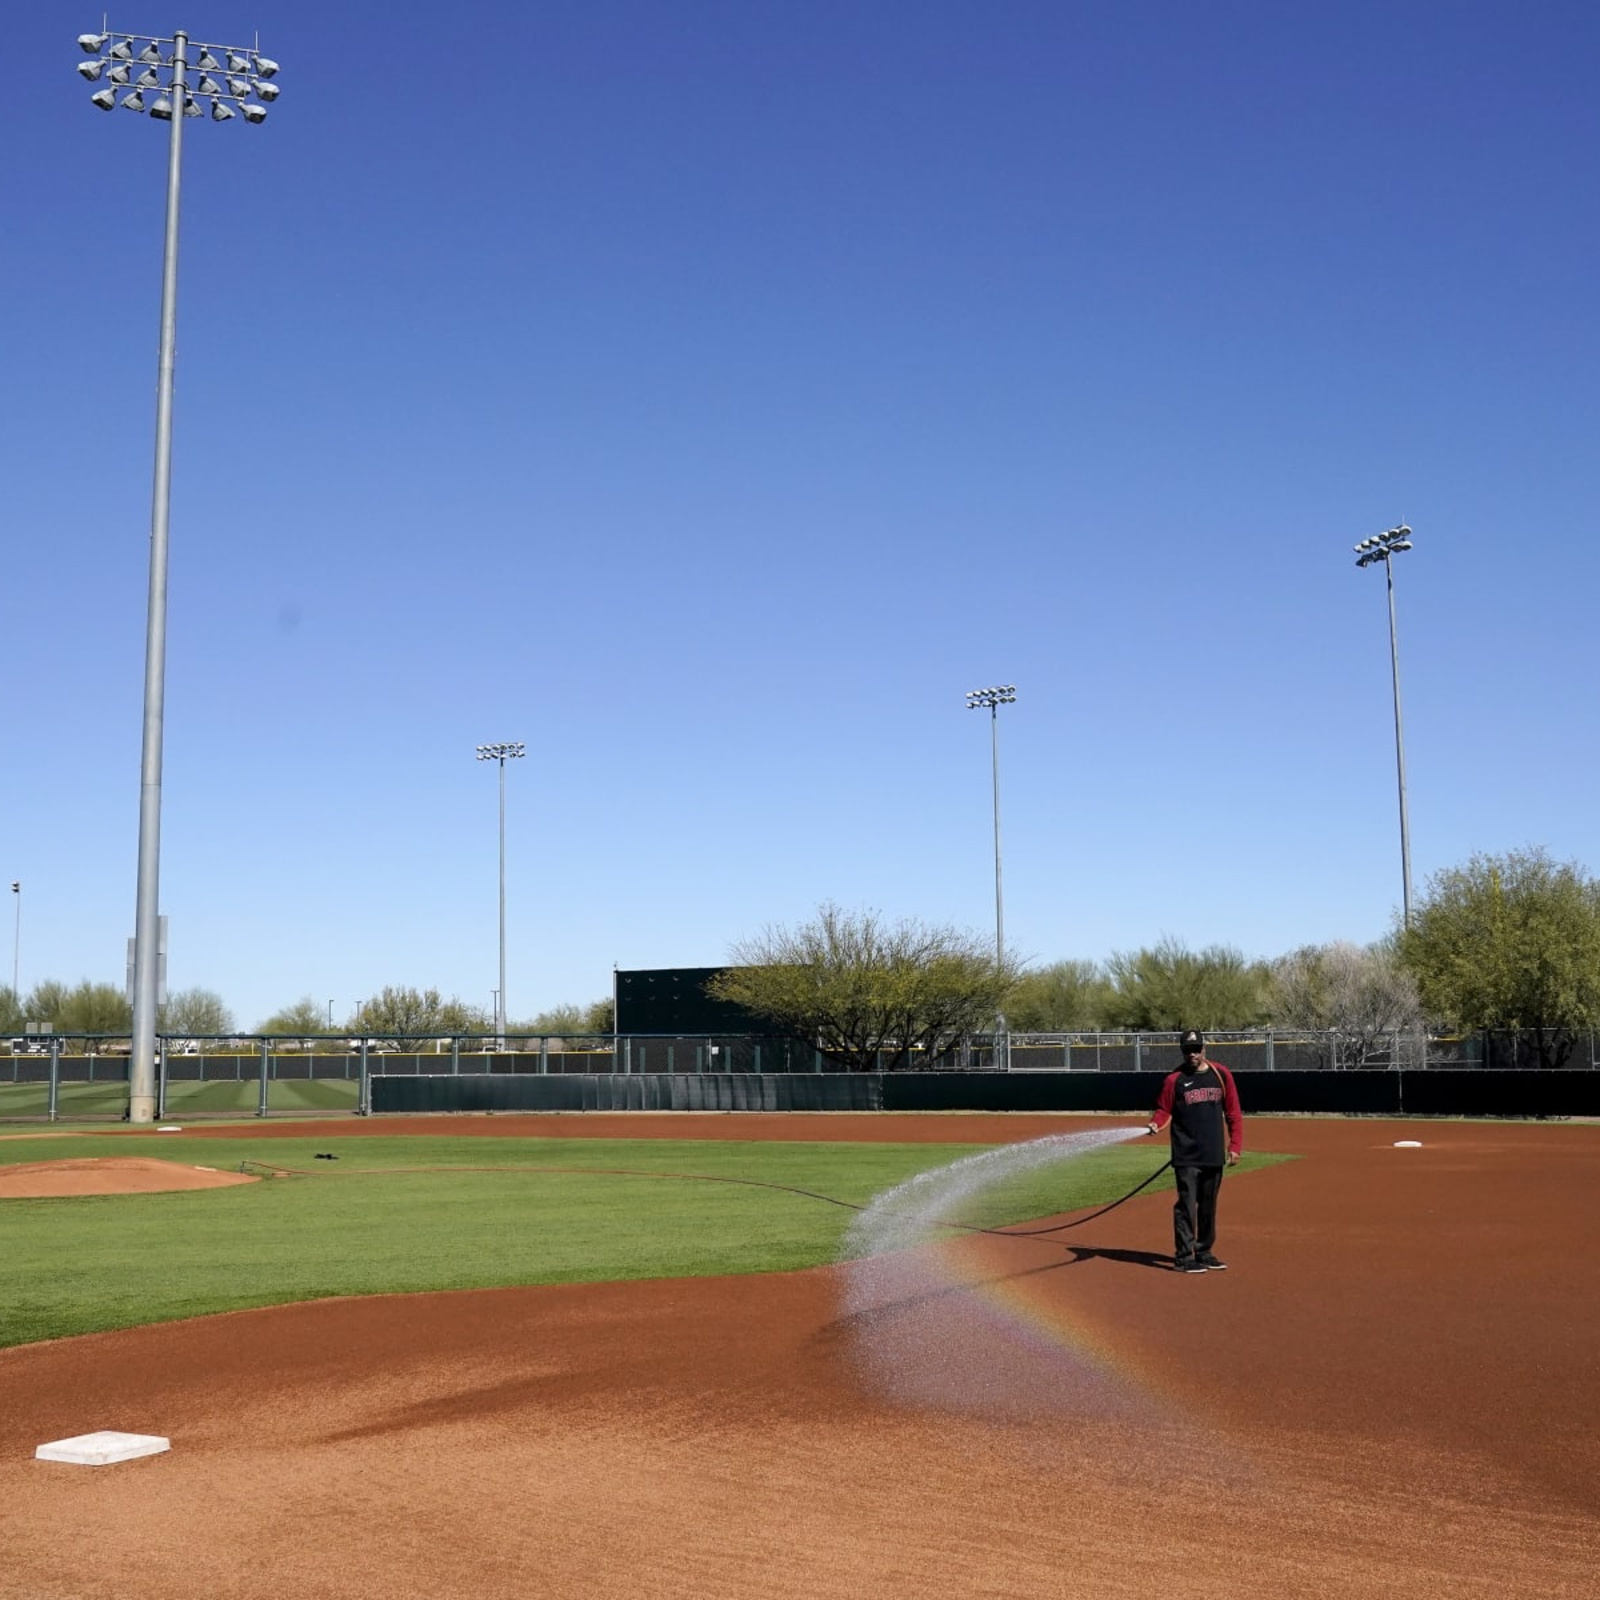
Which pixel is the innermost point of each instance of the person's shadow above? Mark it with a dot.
(1130, 1258)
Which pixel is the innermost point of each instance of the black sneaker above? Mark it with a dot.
(1211, 1264)
(1188, 1264)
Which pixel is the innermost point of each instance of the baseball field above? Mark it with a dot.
(657, 1357)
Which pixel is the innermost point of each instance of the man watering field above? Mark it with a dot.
(1200, 1103)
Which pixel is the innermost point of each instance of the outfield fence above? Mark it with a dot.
(84, 1077)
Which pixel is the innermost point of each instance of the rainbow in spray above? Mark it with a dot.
(947, 1319)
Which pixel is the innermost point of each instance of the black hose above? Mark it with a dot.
(752, 1183)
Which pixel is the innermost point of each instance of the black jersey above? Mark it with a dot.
(1203, 1109)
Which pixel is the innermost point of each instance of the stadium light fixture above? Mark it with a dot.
(501, 753)
(166, 64)
(1384, 547)
(993, 699)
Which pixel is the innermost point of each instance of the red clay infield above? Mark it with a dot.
(1389, 1394)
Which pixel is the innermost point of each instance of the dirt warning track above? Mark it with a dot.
(1385, 1395)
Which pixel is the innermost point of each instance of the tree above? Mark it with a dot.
(305, 1017)
(1364, 997)
(12, 1013)
(1170, 986)
(599, 1016)
(862, 991)
(1510, 942)
(413, 1016)
(1065, 997)
(91, 1008)
(44, 1004)
(196, 1014)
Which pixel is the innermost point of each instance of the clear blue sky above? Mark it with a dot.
(709, 395)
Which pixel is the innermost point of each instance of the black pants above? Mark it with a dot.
(1194, 1217)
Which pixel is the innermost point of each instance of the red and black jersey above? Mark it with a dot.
(1203, 1109)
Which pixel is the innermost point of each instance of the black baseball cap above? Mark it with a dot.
(1192, 1042)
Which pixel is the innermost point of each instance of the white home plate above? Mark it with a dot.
(1408, 1144)
(101, 1449)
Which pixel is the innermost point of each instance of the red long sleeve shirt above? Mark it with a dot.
(1203, 1111)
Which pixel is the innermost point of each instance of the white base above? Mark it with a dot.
(1408, 1144)
(101, 1449)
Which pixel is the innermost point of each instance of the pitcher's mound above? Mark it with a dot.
(109, 1175)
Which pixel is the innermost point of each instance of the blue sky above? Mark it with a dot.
(710, 395)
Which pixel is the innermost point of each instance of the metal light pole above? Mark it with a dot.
(1384, 547)
(1003, 695)
(501, 753)
(16, 946)
(137, 62)
(993, 699)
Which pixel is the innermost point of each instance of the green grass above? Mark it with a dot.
(106, 1102)
(489, 1212)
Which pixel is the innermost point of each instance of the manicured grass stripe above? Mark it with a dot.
(107, 1101)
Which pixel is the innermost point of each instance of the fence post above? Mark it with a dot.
(1138, 1052)
(364, 1093)
(55, 1079)
(1272, 1063)
(261, 1106)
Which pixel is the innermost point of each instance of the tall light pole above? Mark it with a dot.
(229, 76)
(501, 753)
(1384, 547)
(1003, 695)
(16, 945)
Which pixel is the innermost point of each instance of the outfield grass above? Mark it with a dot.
(224, 1097)
(395, 1215)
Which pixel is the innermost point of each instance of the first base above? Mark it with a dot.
(102, 1449)
(1408, 1144)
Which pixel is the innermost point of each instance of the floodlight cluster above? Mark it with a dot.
(135, 66)
(1003, 695)
(500, 752)
(1383, 545)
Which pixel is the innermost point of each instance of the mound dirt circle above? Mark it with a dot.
(41, 1180)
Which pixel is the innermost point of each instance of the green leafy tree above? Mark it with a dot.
(93, 1008)
(1065, 997)
(1365, 997)
(304, 1019)
(196, 1013)
(1169, 986)
(413, 1016)
(1510, 942)
(598, 1017)
(861, 990)
(44, 1003)
(12, 1014)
